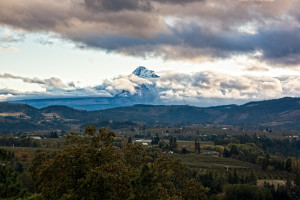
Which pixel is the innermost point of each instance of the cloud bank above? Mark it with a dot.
(51, 82)
(171, 29)
(199, 89)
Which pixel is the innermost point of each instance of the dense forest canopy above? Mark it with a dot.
(99, 165)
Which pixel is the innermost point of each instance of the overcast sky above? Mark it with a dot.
(202, 49)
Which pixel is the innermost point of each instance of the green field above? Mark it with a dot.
(208, 161)
(219, 164)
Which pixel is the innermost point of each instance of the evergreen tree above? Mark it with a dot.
(130, 140)
(172, 143)
(251, 179)
(234, 150)
(155, 140)
(246, 192)
(183, 150)
(145, 186)
(288, 165)
(197, 146)
(10, 185)
(226, 153)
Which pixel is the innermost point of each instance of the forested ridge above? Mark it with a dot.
(277, 114)
(98, 165)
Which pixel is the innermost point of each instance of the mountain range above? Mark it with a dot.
(281, 113)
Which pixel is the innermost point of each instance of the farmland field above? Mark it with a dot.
(208, 161)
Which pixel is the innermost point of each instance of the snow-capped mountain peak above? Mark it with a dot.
(143, 72)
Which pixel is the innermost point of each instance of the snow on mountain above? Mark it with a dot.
(143, 72)
(138, 86)
(146, 90)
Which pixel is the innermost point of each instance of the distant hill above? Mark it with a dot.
(276, 114)
(279, 113)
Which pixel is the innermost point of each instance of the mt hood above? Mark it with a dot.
(143, 72)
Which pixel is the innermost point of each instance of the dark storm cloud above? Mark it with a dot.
(119, 5)
(178, 1)
(279, 45)
(183, 37)
(172, 29)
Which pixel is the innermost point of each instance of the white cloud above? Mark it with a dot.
(201, 89)
(11, 49)
(51, 82)
(4, 97)
(291, 85)
(216, 85)
(124, 83)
